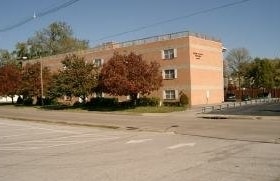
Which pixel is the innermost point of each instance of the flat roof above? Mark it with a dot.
(151, 39)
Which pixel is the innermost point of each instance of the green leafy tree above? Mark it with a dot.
(31, 80)
(60, 86)
(5, 56)
(261, 72)
(276, 64)
(125, 75)
(77, 78)
(10, 78)
(22, 50)
(55, 39)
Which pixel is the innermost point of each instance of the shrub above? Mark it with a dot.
(77, 104)
(28, 101)
(145, 101)
(103, 102)
(172, 104)
(50, 101)
(184, 100)
(126, 104)
(19, 100)
(46, 101)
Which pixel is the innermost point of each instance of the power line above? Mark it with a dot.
(173, 19)
(38, 15)
(52, 10)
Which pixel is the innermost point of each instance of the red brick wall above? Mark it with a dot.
(198, 64)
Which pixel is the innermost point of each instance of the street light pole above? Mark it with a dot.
(42, 85)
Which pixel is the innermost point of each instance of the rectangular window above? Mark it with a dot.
(170, 94)
(169, 74)
(98, 62)
(98, 94)
(169, 53)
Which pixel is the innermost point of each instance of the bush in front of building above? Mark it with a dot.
(28, 101)
(184, 100)
(19, 100)
(46, 101)
(146, 101)
(113, 102)
(103, 102)
(172, 103)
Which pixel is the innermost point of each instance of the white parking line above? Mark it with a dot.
(181, 145)
(20, 135)
(80, 142)
(17, 148)
(62, 143)
(138, 141)
(24, 127)
(60, 138)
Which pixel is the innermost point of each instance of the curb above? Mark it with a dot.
(61, 122)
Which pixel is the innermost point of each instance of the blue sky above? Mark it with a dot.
(254, 24)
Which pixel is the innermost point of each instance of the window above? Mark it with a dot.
(170, 94)
(170, 74)
(98, 62)
(169, 53)
(98, 94)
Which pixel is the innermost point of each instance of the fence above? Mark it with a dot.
(228, 105)
(253, 92)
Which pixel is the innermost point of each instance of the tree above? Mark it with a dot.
(77, 78)
(237, 59)
(125, 75)
(55, 39)
(31, 80)
(5, 56)
(276, 65)
(261, 73)
(22, 50)
(10, 77)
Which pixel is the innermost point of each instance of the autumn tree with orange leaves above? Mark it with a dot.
(10, 78)
(31, 80)
(125, 75)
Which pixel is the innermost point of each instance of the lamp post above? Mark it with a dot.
(41, 78)
(42, 85)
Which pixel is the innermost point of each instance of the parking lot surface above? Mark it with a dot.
(40, 151)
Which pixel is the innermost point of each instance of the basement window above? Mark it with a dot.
(170, 94)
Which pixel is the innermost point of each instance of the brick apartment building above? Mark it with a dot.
(191, 63)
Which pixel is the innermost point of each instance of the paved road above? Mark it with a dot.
(266, 109)
(40, 151)
(190, 122)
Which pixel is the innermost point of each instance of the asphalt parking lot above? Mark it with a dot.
(41, 151)
(267, 109)
(245, 127)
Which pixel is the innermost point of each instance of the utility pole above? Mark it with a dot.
(42, 85)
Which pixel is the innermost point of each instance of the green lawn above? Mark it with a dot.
(140, 109)
(162, 109)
